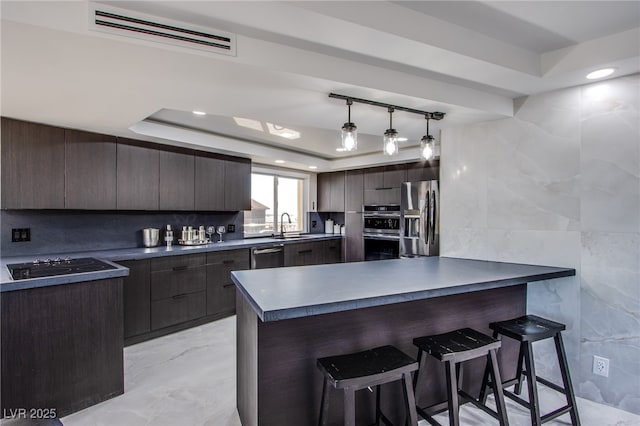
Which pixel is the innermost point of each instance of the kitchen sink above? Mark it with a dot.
(290, 237)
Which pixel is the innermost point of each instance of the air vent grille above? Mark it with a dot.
(152, 28)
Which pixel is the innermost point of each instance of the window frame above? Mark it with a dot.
(281, 173)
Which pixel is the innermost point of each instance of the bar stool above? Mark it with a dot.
(373, 367)
(453, 348)
(528, 329)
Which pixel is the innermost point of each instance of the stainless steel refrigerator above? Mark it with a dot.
(420, 219)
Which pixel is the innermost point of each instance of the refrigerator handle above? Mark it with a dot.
(434, 216)
(425, 219)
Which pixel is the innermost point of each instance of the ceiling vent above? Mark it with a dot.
(146, 27)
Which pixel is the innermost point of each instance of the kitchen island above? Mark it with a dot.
(289, 317)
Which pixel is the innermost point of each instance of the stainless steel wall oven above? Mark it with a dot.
(381, 231)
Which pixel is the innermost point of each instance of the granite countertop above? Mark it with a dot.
(283, 293)
(136, 253)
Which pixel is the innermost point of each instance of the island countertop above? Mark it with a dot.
(283, 293)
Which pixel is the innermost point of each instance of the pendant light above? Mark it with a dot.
(427, 144)
(390, 139)
(349, 132)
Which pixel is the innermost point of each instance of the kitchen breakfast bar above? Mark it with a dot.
(287, 318)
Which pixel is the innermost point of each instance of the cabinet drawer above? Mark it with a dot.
(235, 260)
(176, 263)
(172, 283)
(177, 309)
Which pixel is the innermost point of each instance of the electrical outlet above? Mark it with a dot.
(600, 366)
(231, 228)
(20, 235)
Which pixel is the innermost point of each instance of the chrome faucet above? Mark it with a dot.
(282, 223)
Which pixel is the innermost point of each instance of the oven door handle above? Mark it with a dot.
(381, 237)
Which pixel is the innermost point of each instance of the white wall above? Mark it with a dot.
(559, 184)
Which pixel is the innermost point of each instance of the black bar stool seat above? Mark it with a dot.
(452, 348)
(528, 329)
(373, 367)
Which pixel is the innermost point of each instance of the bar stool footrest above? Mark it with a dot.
(552, 415)
(551, 385)
(468, 398)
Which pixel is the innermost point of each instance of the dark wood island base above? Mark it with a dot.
(61, 348)
(278, 382)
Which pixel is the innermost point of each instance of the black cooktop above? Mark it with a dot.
(51, 267)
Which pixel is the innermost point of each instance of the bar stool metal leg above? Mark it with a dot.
(496, 381)
(409, 399)
(534, 403)
(517, 389)
(349, 407)
(452, 394)
(566, 380)
(324, 404)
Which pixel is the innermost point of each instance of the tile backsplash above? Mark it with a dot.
(57, 231)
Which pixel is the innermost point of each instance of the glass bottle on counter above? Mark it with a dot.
(168, 236)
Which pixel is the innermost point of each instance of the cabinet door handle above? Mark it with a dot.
(304, 251)
(180, 296)
(180, 268)
(380, 189)
(227, 285)
(228, 262)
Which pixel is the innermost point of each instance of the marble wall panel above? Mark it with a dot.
(534, 165)
(611, 156)
(610, 317)
(563, 188)
(463, 178)
(558, 299)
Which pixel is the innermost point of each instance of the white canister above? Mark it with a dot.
(336, 229)
(328, 226)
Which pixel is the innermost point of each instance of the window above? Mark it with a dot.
(272, 195)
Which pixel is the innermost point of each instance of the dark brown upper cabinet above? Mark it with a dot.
(426, 170)
(90, 167)
(237, 184)
(210, 183)
(382, 184)
(354, 190)
(331, 192)
(386, 177)
(138, 176)
(177, 178)
(32, 165)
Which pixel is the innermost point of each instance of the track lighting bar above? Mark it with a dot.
(426, 114)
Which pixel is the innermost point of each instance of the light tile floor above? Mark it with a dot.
(188, 378)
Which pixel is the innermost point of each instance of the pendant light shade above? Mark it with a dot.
(390, 139)
(349, 132)
(427, 144)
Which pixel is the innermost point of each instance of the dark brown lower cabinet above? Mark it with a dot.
(303, 254)
(177, 309)
(332, 251)
(313, 253)
(137, 297)
(221, 292)
(177, 289)
(61, 347)
(167, 294)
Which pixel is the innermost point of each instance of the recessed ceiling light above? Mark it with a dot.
(280, 161)
(403, 139)
(199, 112)
(341, 149)
(600, 73)
(283, 132)
(313, 167)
